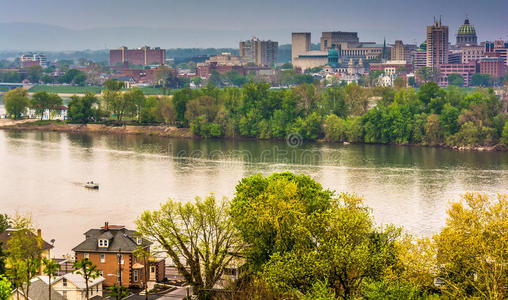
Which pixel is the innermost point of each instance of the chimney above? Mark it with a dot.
(39, 237)
(106, 226)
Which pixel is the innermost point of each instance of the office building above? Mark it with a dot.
(493, 65)
(31, 59)
(465, 70)
(338, 38)
(300, 44)
(437, 44)
(398, 51)
(261, 53)
(419, 58)
(141, 56)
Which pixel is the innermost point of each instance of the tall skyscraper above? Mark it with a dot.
(437, 44)
(261, 53)
(300, 44)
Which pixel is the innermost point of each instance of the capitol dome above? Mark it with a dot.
(466, 34)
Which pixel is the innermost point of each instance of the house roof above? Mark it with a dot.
(120, 239)
(39, 291)
(7, 234)
(79, 281)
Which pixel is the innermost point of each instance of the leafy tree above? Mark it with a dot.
(236, 78)
(425, 74)
(72, 75)
(46, 79)
(399, 83)
(24, 254)
(198, 236)
(81, 109)
(113, 85)
(471, 248)
(16, 102)
(79, 79)
(433, 133)
(34, 73)
(482, 80)
(504, 139)
(88, 270)
(42, 101)
(455, 80)
(165, 77)
(5, 288)
(334, 129)
(11, 76)
(51, 269)
(119, 292)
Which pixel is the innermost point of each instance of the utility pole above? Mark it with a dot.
(119, 255)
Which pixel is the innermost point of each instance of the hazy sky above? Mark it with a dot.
(275, 19)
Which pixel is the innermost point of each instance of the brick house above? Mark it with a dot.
(111, 249)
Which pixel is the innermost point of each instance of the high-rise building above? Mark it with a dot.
(398, 51)
(142, 56)
(338, 38)
(437, 44)
(419, 58)
(466, 36)
(261, 53)
(300, 44)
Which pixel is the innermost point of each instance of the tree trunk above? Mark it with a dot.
(86, 290)
(49, 288)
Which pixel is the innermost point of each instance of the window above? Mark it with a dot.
(152, 269)
(135, 275)
(64, 282)
(120, 259)
(86, 255)
(103, 243)
(103, 258)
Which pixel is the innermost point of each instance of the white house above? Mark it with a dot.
(72, 286)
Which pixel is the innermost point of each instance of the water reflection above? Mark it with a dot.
(43, 172)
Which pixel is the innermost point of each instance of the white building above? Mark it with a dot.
(72, 286)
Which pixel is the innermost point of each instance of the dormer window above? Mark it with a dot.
(139, 241)
(103, 243)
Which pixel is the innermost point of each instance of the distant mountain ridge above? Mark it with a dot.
(44, 37)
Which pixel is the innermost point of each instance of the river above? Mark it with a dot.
(42, 173)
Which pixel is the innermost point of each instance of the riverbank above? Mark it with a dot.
(156, 130)
(169, 131)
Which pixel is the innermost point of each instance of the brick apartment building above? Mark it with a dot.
(141, 56)
(464, 70)
(493, 64)
(111, 249)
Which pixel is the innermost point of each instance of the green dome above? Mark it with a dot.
(467, 29)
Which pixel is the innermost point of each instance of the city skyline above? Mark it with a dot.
(173, 24)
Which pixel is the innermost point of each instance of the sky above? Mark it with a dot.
(227, 21)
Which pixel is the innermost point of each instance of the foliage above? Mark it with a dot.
(82, 110)
(24, 250)
(472, 248)
(51, 268)
(483, 80)
(88, 270)
(118, 292)
(42, 101)
(5, 288)
(198, 236)
(16, 102)
(73, 76)
(455, 80)
(504, 139)
(34, 73)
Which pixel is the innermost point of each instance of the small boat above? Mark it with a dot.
(91, 185)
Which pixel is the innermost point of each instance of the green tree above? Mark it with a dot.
(433, 133)
(335, 129)
(5, 288)
(455, 80)
(42, 101)
(34, 73)
(425, 74)
(165, 77)
(24, 254)
(198, 236)
(46, 79)
(482, 80)
(113, 85)
(118, 292)
(504, 138)
(16, 102)
(81, 109)
(88, 270)
(51, 268)
(472, 248)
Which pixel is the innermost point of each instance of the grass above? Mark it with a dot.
(66, 89)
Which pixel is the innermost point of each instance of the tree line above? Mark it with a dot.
(429, 115)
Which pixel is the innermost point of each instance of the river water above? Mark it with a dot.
(42, 173)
